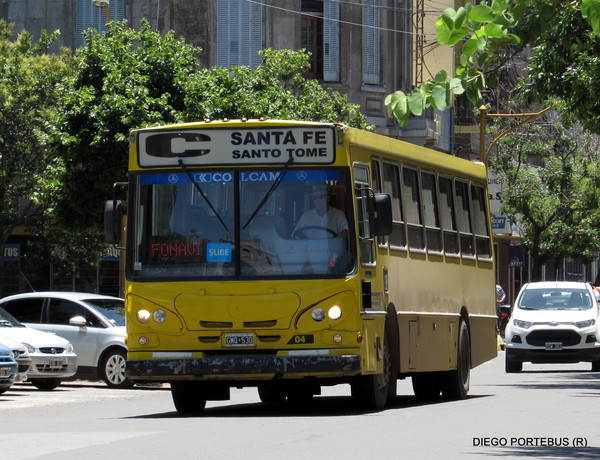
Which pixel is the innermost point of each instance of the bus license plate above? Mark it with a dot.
(239, 340)
(553, 346)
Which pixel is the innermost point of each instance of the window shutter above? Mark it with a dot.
(330, 40)
(371, 42)
(88, 15)
(239, 33)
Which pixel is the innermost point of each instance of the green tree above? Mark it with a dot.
(29, 93)
(552, 191)
(487, 36)
(128, 79)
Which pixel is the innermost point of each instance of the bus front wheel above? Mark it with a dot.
(188, 397)
(371, 391)
(455, 384)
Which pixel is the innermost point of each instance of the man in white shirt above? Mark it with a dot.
(322, 221)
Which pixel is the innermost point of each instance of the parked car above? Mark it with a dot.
(8, 368)
(53, 359)
(94, 324)
(553, 322)
(21, 356)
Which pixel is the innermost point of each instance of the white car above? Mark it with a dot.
(52, 357)
(21, 356)
(93, 323)
(553, 322)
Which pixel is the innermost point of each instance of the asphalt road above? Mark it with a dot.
(548, 411)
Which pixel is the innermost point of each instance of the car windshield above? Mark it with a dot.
(8, 320)
(555, 299)
(112, 309)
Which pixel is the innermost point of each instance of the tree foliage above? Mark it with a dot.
(551, 190)
(29, 93)
(488, 36)
(128, 79)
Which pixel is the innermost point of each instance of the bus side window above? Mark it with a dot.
(447, 216)
(463, 218)
(480, 221)
(430, 212)
(412, 207)
(391, 186)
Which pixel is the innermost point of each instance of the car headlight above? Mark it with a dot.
(69, 347)
(30, 349)
(522, 324)
(586, 323)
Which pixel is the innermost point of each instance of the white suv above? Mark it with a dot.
(553, 322)
(93, 323)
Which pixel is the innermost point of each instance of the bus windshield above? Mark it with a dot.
(242, 223)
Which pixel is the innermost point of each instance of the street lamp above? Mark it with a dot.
(103, 4)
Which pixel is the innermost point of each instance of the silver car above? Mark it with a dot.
(93, 323)
(53, 359)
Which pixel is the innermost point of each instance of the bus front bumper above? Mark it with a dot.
(263, 367)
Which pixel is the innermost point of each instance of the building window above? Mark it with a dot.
(319, 32)
(239, 32)
(90, 16)
(371, 42)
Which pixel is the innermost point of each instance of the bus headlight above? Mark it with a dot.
(159, 315)
(143, 316)
(318, 314)
(335, 312)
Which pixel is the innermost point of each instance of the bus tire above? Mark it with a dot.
(455, 384)
(188, 397)
(426, 386)
(271, 394)
(371, 391)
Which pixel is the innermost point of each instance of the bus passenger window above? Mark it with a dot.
(391, 186)
(480, 221)
(447, 216)
(412, 208)
(430, 212)
(463, 218)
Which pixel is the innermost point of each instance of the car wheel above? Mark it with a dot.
(113, 369)
(46, 384)
(511, 366)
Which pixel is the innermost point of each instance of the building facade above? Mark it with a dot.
(363, 48)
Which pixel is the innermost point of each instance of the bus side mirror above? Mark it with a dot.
(383, 214)
(113, 214)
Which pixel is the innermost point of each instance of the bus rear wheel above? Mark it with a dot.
(455, 384)
(188, 397)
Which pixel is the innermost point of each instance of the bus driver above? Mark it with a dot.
(322, 221)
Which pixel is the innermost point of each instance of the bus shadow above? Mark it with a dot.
(320, 406)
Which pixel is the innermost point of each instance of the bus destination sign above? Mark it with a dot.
(273, 145)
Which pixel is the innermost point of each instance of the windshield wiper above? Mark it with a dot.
(270, 192)
(202, 193)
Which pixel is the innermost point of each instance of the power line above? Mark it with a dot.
(339, 21)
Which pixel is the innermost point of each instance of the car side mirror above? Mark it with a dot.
(78, 321)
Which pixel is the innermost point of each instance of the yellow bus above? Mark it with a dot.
(291, 255)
